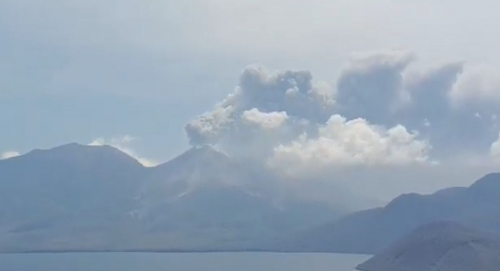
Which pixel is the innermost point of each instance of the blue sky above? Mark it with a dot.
(76, 71)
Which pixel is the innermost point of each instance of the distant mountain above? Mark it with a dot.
(77, 197)
(197, 167)
(212, 202)
(373, 230)
(440, 246)
(69, 196)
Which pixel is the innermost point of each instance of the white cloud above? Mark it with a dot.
(477, 83)
(349, 143)
(146, 162)
(270, 120)
(9, 154)
(123, 144)
(454, 97)
(495, 149)
(427, 123)
(98, 142)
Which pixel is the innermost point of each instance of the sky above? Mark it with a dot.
(302, 85)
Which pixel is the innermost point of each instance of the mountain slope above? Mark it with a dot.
(212, 202)
(440, 246)
(78, 197)
(71, 177)
(51, 198)
(373, 230)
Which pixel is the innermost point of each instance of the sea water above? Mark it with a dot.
(241, 261)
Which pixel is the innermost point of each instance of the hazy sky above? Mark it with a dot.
(105, 71)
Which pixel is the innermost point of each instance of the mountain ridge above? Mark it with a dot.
(372, 230)
(79, 198)
(443, 246)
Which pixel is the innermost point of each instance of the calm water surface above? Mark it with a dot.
(180, 262)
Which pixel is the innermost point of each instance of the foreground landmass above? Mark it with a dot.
(440, 246)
